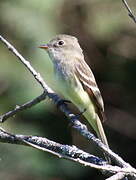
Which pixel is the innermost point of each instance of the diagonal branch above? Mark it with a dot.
(36, 75)
(19, 108)
(130, 13)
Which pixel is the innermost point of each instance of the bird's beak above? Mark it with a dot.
(44, 46)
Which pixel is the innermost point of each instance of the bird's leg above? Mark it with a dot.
(62, 101)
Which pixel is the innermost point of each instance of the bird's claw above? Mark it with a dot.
(62, 101)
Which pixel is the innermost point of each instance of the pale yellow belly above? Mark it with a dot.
(77, 95)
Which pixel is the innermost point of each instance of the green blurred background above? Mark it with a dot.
(108, 37)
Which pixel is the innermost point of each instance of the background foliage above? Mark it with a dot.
(108, 37)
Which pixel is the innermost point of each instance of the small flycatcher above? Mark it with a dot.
(76, 80)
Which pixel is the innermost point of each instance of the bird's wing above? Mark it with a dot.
(87, 79)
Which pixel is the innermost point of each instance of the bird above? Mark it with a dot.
(76, 80)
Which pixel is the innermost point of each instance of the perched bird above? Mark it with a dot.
(76, 80)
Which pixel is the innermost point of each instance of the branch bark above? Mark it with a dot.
(62, 151)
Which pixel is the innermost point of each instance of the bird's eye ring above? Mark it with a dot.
(61, 42)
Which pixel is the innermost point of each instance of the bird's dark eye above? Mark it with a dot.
(61, 42)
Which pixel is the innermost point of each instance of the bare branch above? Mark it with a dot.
(76, 124)
(63, 151)
(130, 13)
(19, 108)
(117, 176)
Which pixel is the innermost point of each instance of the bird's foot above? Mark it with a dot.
(62, 101)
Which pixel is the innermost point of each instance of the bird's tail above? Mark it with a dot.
(100, 131)
(97, 126)
(102, 136)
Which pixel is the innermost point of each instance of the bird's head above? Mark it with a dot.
(62, 46)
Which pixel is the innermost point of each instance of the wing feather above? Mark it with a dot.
(87, 79)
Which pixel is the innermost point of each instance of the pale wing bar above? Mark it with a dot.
(87, 79)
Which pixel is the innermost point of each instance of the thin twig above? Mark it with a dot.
(19, 108)
(130, 13)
